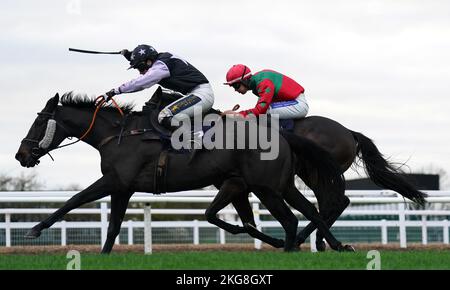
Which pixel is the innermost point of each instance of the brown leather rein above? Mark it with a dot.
(94, 117)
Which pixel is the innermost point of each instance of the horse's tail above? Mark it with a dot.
(382, 172)
(317, 165)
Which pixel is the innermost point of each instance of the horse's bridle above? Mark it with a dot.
(40, 147)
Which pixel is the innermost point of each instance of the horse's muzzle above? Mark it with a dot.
(26, 159)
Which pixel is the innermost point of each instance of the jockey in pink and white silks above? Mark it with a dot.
(170, 72)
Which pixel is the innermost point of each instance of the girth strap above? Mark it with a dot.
(125, 134)
(160, 185)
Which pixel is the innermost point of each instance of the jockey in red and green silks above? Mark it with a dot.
(278, 94)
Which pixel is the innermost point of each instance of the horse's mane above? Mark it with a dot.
(83, 101)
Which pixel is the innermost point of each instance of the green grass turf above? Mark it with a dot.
(220, 260)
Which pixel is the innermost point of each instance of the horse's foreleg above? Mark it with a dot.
(119, 203)
(243, 208)
(97, 190)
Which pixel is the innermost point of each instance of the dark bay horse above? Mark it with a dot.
(346, 147)
(130, 167)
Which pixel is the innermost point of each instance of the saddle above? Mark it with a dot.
(156, 131)
(287, 125)
(150, 113)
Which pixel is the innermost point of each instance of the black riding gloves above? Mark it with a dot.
(126, 53)
(106, 97)
(111, 94)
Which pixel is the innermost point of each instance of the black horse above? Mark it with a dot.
(346, 147)
(130, 167)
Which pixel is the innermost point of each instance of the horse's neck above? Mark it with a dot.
(77, 122)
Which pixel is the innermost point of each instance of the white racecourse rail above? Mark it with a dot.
(367, 203)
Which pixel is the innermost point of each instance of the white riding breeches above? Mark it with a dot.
(294, 109)
(200, 99)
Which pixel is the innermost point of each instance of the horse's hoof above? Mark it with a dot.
(321, 246)
(32, 234)
(345, 248)
(299, 241)
(348, 248)
(278, 243)
(290, 250)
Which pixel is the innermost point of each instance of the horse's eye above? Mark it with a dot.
(40, 121)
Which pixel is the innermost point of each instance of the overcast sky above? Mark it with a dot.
(378, 67)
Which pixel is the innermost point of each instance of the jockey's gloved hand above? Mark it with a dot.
(111, 94)
(126, 53)
(106, 97)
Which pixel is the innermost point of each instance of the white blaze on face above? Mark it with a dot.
(49, 134)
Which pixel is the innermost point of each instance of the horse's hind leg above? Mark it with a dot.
(299, 202)
(279, 210)
(97, 190)
(243, 208)
(330, 215)
(235, 190)
(119, 203)
(228, 190)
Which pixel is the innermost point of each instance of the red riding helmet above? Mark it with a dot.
(237, 73)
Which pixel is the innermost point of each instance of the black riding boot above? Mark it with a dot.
(166, 123)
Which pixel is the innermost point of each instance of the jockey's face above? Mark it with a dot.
(144, 68)
(240, 88)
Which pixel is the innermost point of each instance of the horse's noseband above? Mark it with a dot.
(41, 146)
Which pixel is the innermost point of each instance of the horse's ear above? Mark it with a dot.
(158, 91)
(155, 99)
(52, 103)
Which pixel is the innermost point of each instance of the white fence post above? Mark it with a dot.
(196, 232)
(424, 230)
(446, 224)
(148, 248)
(258, 223)
(8, 229)
(384, 232)
(312, 241)
(222, 236)
(130, 232)
(104, 221)
(402, 225)
(63, 233)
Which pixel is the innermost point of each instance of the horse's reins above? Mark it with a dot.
(94, 117)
